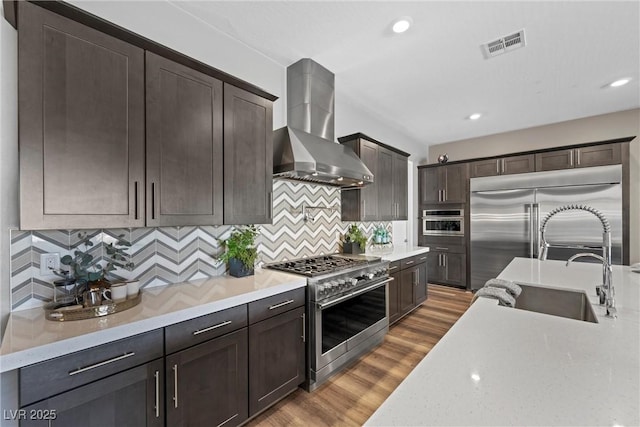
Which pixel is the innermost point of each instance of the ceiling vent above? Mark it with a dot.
(503, 45)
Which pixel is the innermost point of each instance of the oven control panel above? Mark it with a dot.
(347, 282)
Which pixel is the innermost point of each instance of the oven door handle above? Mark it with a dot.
(322, 306)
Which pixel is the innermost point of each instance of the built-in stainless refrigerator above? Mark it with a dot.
(506, 213)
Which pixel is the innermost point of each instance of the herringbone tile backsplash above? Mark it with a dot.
(166, 255)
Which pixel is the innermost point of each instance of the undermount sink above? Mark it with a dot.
(556, 302)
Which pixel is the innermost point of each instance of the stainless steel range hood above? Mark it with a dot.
(304, 150)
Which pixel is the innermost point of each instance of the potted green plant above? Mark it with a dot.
(83, 269)
(355, 242)
(240, 253)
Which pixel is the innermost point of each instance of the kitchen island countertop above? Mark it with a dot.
(503, 366)
(30, 338)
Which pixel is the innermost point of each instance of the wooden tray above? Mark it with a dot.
(65, 314)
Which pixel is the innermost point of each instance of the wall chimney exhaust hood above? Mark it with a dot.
(304, 150)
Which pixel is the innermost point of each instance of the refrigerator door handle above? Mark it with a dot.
(531, 229)
(536, 235)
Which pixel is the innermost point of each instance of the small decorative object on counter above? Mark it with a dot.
(443, 158)
(91, 295)
(355, 242)
(381, 236)
(240, 252)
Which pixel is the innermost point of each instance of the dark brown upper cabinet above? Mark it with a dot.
(444, 184)
(386, 198)
(81, 133)
(581, 157)
(503, 166)
(184, 145)
(248, 157)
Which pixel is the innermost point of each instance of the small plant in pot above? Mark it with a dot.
(355, 242)
(240, 253)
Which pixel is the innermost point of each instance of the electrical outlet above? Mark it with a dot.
(49, 262)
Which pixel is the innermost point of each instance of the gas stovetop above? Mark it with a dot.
(320, 265)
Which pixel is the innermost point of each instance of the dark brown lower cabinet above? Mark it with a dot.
(133, 398)
(448, 268)
(207, 384)
(394, 295)
(276, 358)
(409, 287)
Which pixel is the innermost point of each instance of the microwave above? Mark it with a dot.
(443, 222)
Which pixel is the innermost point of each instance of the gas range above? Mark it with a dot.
(331, 276)
(347, 309)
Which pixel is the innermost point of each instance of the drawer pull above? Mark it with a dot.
(393, 268)
(282, 304)
(210, 328)
(409, 262)
(441, 249)
(99, 364)
(156, 375)
(304, 331)
(175, 386)
(423, 258)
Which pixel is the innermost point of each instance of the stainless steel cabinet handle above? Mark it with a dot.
(270, 199)
(304, 331)
(409, 262)
(156, 375)
(578, 156)
(423, 258)
(441, 249)
(153, 200)
(135, 200)
(175, 386)
(502, 171)
(282, 304)
(444, 260)
(497, 167)
(393, 268)
(571, 157)
(210, 328)
(364, 208)
(444, 195)
(99, 364)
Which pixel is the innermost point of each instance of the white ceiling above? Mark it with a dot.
(429, 80)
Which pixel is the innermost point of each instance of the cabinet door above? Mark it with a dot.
(456, 269)
(81, 133)
(456, 183)
(132, 398)
(394, 297)
(184, 145)
(434, 267)
(553, 160)
(518, 164)
(384, 182)
(420, 291)
(276, 358)
(429, 185)
(408, 282)
(598, 155)
(369, 194)
(248, 157)
(207, 384)
(485, 168)
(400, 186)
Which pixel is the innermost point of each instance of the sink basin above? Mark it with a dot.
(556, 302)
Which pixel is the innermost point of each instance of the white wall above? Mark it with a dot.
(589, 129)
(8, 158)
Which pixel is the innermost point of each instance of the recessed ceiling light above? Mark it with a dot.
(475, 116)
(401, 25)
(620, 82)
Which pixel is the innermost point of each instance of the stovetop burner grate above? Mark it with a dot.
(317, 266)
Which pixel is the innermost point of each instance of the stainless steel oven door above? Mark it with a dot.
(343, 323)
(443, 226)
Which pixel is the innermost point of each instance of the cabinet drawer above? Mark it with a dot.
(267, 307)
(419, 259)
(408, 262)
(203, 328)
(454, 249)
(48, 378)
(394, 267)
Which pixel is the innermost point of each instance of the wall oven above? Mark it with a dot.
(443, 222)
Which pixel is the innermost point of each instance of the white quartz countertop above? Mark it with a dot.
(398, 252)
(31, 338)
(503, 366)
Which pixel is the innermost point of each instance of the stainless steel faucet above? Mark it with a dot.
(606, 291)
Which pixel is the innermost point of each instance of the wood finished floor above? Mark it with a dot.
(351, 397)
